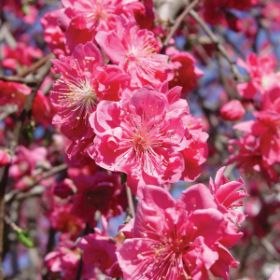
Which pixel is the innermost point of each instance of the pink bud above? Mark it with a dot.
(4, 158)
(232, 111)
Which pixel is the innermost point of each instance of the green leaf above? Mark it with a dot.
(25, 239)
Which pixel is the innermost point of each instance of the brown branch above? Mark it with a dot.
(9, 197)
(179, 21)
(16, 79)
(30, 81)
(218, 45)
(36, 65)
(26, 114)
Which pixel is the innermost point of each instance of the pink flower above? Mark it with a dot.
(232, 111)
(64, 261)
(96, 14)
(54, 24)
(20, 56)
(67, 223)
(228, 196)
(196, 152)
(77, 152)
(137, 52)
(176, 239)
(42, 109)
(98, 192)
(26, 161)
(186, 74)
(142, 136)
(99, 252)
(262, 73)
(13, 93)
(264, 133)
(83, 82)
(4, 158)
(246, 153)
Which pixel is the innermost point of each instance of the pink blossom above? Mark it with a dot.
(64, 261)
(137, 52)
(186, 74)
(89, 16)
(42, 109)
(232, 111)
(98, 192)
(93, 14)
(246, 153)
(176, 239)
(13, 94)
(67, 223)
(142, 136)
(4, 158)
(54, 23)
(196, 152)
(21, 56)
(84, 81)
(99, 252)
(262, 75)
(264, 133)
(27, 162)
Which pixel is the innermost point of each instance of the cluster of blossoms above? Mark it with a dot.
(260, 144)
(123, 118)
(118, 103)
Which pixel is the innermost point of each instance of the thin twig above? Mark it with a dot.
(36, 65)
(218, 44)
(16, 79)
(179, 21)
(9, 197)
(26, 114)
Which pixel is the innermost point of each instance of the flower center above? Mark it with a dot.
(82, 97)
(141, 142)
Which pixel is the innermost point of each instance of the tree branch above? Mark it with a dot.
(218, 44)
(179, 21)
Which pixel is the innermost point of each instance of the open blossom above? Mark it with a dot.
(258, 150)
(84, 81)
(174, 240)
(263, 76)
(246, 153)
(137, 52)
(95, 14)
(143, 135)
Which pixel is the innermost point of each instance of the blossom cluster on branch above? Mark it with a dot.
(139, 140)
